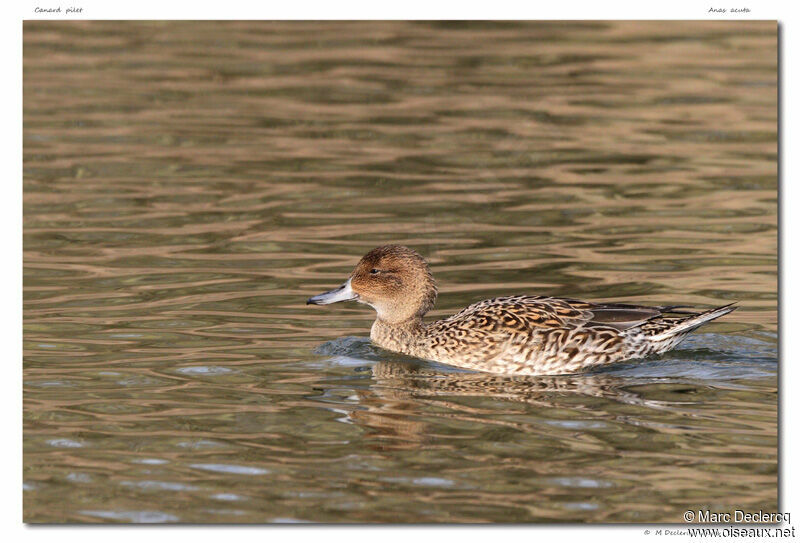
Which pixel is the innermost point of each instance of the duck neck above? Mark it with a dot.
(401, 337)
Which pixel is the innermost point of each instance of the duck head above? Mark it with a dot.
(395, 280)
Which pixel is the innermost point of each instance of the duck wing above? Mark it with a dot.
(621, 316)
(519, 313)
(513, 314)
(625, 316)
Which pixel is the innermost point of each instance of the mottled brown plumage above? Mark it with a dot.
(523, 335)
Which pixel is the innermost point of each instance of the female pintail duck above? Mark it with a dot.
(523, 335)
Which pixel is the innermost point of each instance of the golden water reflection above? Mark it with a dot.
(187, 185)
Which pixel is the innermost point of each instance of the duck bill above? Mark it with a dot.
(340, 294)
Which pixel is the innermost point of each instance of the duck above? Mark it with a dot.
(510, 335)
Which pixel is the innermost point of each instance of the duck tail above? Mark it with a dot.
(672, 327)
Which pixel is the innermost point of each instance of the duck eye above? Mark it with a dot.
(374, 271)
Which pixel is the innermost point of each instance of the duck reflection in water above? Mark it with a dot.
(400, 407)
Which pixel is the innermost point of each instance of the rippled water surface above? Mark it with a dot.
(188, 185)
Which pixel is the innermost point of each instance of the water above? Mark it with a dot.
(188, 185)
